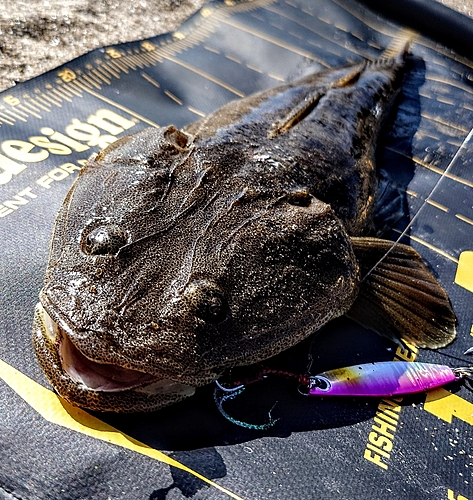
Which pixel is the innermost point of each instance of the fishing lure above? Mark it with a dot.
(384, 379)
(380, 379)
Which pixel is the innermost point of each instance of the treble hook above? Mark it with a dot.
(231, 393)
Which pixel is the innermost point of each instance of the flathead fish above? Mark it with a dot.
(180, 253)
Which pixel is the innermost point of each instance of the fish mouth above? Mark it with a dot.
(98, 376)
(96, 385)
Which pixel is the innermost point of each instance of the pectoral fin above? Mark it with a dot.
(399, 297)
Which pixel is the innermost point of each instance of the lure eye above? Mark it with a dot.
(104, 240)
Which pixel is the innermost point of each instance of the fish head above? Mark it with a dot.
(154, 286)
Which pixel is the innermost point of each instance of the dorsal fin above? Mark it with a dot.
(310, 102)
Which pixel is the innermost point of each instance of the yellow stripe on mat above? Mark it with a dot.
(57, 411)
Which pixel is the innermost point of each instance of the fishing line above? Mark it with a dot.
(414, 218)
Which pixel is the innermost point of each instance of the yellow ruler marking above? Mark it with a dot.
(446, 100)
(20, 113)
(429, 246)
(276, 25)
(155, 57)
(424, 133)
(64, 90)
(149, 60)
(173, 97)
(150, 80)
(375, 45)
(433, 168)
(61, 95)
(104, 72)
(445, 405)
(196, 111)
(341, 27)
(205, 75)
(453, 142)
(83, 83)
(464, 219)
(380, 28)
(308, 26)
(75, 91)
(126, 60)
(446, 81)
(233, 58)
(101, 76)
(444, 122)
(6, 119)
(211, 49)
(425, 42)
(119, 106)
(464, 274)
(54, 99)
(437, 205)
(400, 39)
(258, 17)
(276, 77)
(244, 7)
(254, 68)
(107, 67)
(119, 65)
(40, 105)
(44, 102)
(275, 41)
(22, 106)
(16, 116)
(140, 61)
(51, 99)
(92, 80)
(438, 62)
(30, 104)
(134, 59)
(358, 35)
(452, 496)
(296, 34)
(59, 412)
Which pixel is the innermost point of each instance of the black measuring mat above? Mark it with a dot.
(419, 447)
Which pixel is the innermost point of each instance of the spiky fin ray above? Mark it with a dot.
(399, 297)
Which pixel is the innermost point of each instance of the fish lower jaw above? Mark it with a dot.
(100, 376)
(81, 374)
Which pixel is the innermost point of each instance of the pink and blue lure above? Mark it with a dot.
(380, 379)
(384, 379)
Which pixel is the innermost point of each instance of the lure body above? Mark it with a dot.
(381, 379)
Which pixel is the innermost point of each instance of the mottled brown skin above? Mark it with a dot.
(182, 253)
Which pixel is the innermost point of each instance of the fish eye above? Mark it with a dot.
(300, 198)
(104, 240)
(212, 308)
(210, 304)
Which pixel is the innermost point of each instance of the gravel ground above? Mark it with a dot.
(41, 35)
(36, 36)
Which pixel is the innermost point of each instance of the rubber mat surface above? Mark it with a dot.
(419, 447)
